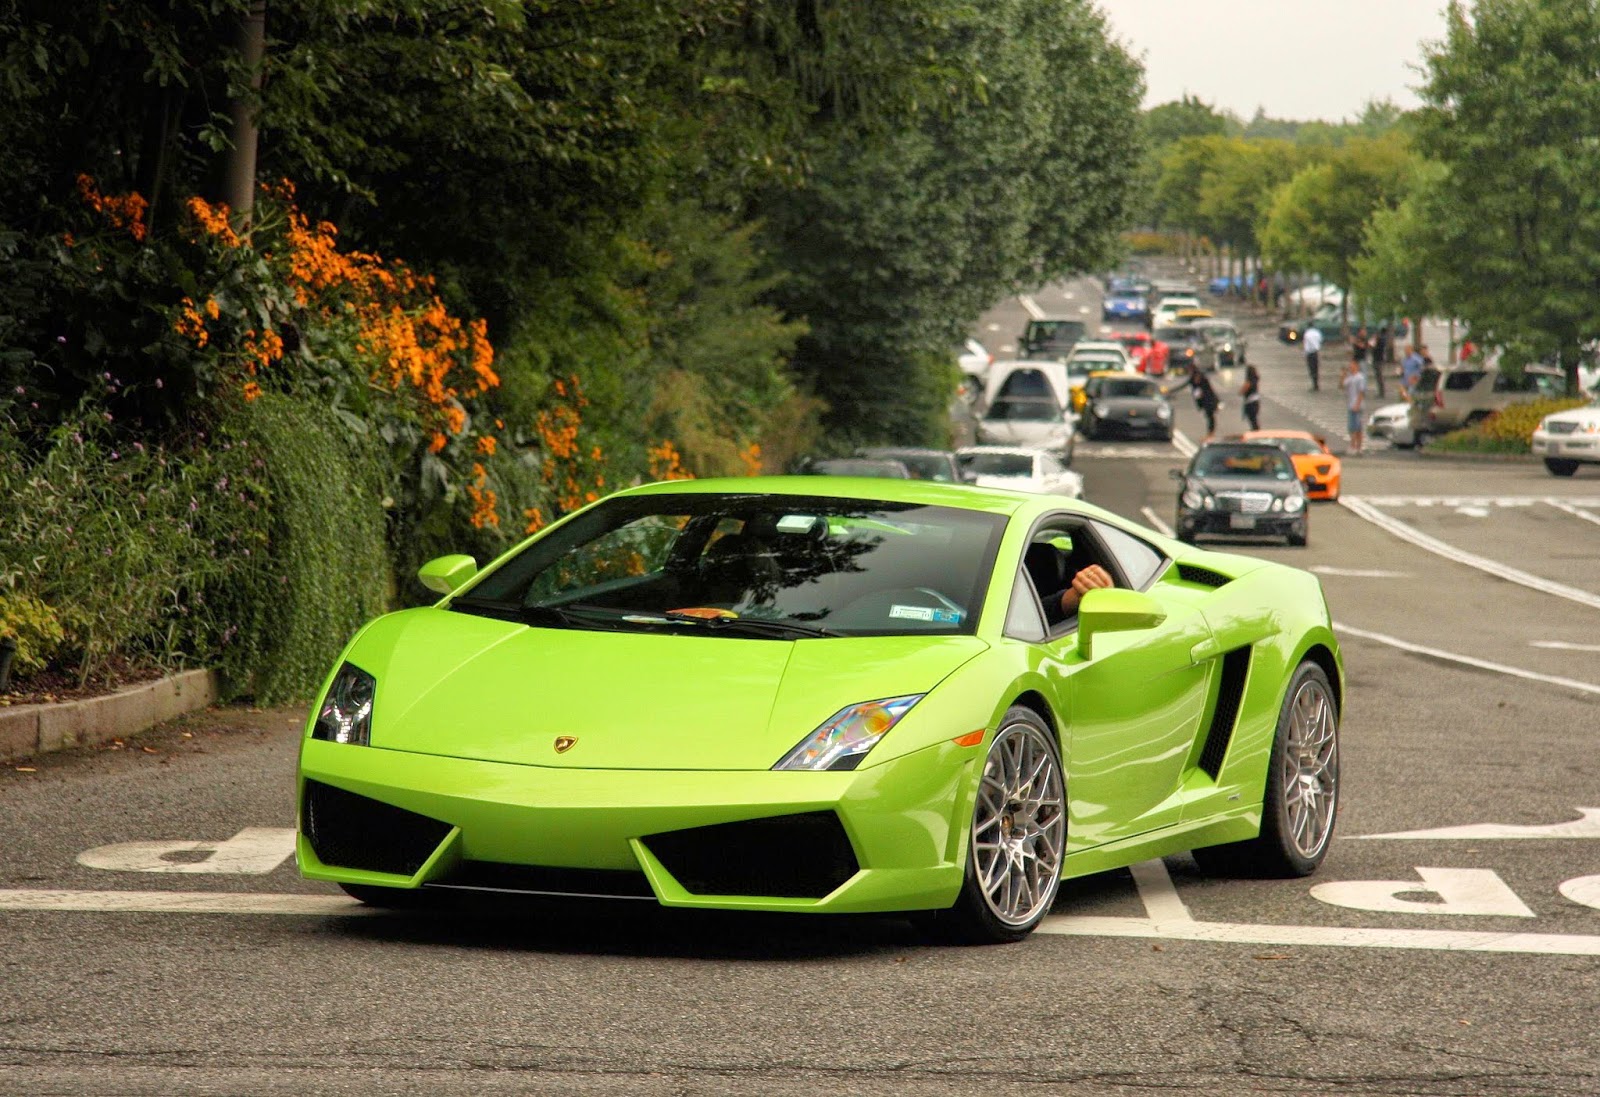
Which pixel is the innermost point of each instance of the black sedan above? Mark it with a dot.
(1125, 406)
(1241, 489)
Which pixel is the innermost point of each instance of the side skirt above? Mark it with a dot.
(1237, 825)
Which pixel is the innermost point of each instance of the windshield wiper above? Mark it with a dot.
(757, 626)
(537, 616)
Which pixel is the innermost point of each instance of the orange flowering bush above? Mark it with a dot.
(571, 471)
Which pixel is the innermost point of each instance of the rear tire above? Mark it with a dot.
(1016, 842)
(1301, 799)
(1560, 466)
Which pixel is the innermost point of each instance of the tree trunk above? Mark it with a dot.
(239, 172)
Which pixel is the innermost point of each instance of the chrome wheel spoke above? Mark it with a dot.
(1309, 769)
(1019, 825)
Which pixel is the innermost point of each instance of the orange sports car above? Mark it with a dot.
(1313, 462)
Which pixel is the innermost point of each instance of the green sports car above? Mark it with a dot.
(855, 695)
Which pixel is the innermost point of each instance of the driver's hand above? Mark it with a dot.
(1090, 578)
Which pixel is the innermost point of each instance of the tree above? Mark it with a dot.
(1510, 112)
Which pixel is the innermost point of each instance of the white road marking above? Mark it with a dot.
(254, 851)
(1562, 645)
(1181, 442)
(993, 327)
(1083, 308)
(1584, 890)
(1508, 501)
(180, 902)
(1156, 523)
(1359, 573)
(1391, 525)
(1176, 924)
(1467, 660)
(1478, 892)
(1031, 306)
(1574, 511)
(1473, 512)
(1587, 825)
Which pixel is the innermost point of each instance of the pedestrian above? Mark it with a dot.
(1205, 398)
(1380, 354)
(1355, 393)
(1360, 344)
(1312, 345)
(1410, 370)
(1252, 397)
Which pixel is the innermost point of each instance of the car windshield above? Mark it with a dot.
(1024, 409)
(1056, 331)
(1117, 386)
(853, 466)
(997, 464)
(751, 566)
(1176, 334)
(1298, 445)
(1256, 461)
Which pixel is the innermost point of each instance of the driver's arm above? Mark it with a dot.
(1086, 580)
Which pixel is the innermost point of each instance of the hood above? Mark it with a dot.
(1023, 432)
(461, 686)
(1215, 484)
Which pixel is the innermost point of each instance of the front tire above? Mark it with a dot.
(1017, 839)
(1301, 798)
(1560, 466)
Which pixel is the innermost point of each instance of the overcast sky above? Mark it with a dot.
(1300, 59)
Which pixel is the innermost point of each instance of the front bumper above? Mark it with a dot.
(558, 831)
(1144, 426)
(1215, 523)
(1571, 447)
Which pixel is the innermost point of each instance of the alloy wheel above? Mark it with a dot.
(1019, 825)
(1310, 771)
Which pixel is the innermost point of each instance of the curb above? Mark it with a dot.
(27, 730)
(1491, 458)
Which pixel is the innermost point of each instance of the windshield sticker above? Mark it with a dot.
(926, 613)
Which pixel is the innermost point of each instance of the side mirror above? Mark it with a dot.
(447, 574)
(1112, 610)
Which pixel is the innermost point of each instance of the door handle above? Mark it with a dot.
(1205, 649)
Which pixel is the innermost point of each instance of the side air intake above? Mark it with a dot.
(1225, 716)
(1192, 573)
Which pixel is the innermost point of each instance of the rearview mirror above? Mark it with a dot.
(1112, 610)
(447, 574)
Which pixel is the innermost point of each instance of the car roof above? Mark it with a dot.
(926, 492)
(1252, 435)
(910, 451)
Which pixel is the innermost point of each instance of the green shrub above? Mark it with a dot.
(35, 628)
(321, 571)
(1509, 430)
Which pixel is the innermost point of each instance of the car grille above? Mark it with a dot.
(802, 856)
(1561, 428)
(1245, 502)
(347, 830)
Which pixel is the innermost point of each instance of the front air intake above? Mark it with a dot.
(347, 830)
(802, 856)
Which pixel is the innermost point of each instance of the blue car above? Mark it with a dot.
(1126, 306)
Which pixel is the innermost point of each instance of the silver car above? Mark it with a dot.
(1036, 422)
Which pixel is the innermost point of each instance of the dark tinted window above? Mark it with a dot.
(1259, 461)
(1116, 386)
(1026, 383)
(1462, 380)
(1024, 409)
(1140, 562)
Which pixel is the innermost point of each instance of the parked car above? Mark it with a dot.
(975, 361)
(1102, 348)
(1393, 421)
(1185, 347)
(1568, 439)
(1125, 405)
(1318, 467)
(857, 466)
(1035, 421)
(1244, 489)
(1029, 378)
(923, 464)
(1052, 337)
(1149, 354)
(1020, 469)
(1125, 305)
(735, 694)
(1330, 321)
(1463, 395)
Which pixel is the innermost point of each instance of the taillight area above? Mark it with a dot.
(1438, 398)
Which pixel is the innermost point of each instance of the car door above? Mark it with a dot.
(1132, 709)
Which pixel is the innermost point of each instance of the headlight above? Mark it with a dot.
(346, 713)
(1163, 411)
(845, 738)
(1294, 503)
(1194, 498)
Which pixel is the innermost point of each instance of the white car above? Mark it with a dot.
(1166, 313)
(1393, 422)
(975, 361)
(1020, 469)
(1100, 349)
(1568, 439)
(1036, 422)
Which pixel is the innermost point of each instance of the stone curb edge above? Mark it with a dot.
(27, 730)
(1492, 458)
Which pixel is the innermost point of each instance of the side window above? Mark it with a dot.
(1140, 562)
(1024, 618)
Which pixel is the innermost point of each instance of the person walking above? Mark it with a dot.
(1380, 355)
(1312, 345)
(1410, 370)
(1252, 397)
(1205, 398)
(1355, 394)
